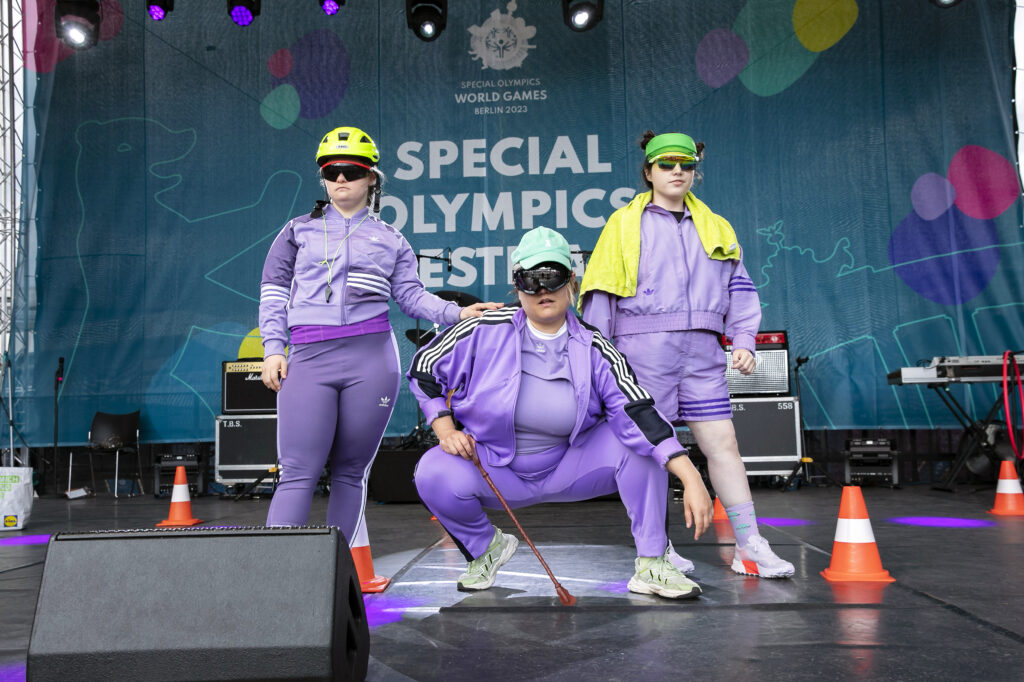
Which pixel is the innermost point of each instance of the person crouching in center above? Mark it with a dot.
(555, 414)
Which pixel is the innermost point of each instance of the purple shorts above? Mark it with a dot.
(684, 371)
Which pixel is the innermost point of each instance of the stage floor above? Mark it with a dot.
(956, 610)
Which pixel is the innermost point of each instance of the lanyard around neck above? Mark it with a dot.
(329, 264)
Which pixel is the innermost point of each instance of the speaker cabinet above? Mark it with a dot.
(768, 433)
(245, 446)
(199, 604)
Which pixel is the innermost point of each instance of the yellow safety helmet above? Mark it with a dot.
(346, 142)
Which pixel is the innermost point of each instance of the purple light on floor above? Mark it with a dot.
(382, 609)
(19, 540)
(241, 15)
(12, 673)
(329, 6)
(157, 13)
(618, 587)
(783, 521)
(941, 522)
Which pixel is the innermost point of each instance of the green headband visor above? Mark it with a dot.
(676, 143)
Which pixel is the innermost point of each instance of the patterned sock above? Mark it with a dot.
(743, 520)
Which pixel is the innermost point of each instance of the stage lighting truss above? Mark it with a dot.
(159, 9)
(330, 7)
(582, 15)
(426, 18)
(242, 12)
(77, 22)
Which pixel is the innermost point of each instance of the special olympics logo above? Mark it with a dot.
(501, 42)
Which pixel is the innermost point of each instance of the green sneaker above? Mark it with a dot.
(481, 571)
(657, 575)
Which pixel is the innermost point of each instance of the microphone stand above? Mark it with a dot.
(58, 379)
(804, 458)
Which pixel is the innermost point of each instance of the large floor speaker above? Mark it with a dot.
(768, 433)
(217, 604)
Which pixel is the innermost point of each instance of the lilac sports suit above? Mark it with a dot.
(617, 440)
(669, 329)
(343, 370)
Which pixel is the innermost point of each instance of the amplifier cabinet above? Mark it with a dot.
(245, 447)
(242, 389)
(768, 433)
(771, 377)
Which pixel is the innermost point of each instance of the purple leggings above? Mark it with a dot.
(333, 409)
(598, 464)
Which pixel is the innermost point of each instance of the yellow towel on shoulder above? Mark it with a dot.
(614, 265)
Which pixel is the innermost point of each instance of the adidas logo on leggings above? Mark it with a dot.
(385, 401)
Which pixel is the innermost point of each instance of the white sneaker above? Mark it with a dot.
(757, 558)
(684, 565)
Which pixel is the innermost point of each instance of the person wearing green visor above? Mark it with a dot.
(666, 279)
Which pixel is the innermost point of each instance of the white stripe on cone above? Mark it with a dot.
(180, 494)
(1009, 486)
(854, 530)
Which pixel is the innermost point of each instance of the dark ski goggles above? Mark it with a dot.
(350, 172)
(550, 276)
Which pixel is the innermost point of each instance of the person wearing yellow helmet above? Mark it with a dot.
(326, 284)
(666, 279)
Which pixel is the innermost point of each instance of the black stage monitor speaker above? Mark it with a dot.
(199, 604)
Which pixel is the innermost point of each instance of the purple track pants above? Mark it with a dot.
(598, 464)
(333, 409)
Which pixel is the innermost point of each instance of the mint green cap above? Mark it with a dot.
(542, 245)
(667, 143)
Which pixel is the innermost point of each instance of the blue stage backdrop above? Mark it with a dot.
(862, 149)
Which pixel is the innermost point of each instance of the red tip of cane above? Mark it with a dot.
(564, 596)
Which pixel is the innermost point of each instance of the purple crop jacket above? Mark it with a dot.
(479, 361)
(374, 264)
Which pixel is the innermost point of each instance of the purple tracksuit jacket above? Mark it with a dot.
(479, 360)
(679, 288)
(373, 264)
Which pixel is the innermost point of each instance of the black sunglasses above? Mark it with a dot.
(550, 277)
(347, 171)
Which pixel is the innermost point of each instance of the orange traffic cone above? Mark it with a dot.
(1009, 496)
(720, 514)
(181, 505)
(854, 552)
(369, 581)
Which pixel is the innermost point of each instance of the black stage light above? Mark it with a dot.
(582, 16)
(77, 22)
(242, 12)
(944, 4)
(159, 9)
(426, 19)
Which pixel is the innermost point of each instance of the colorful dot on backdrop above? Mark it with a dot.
(932, 195)
(951, 215)
(721, 55)
(945, 260)
(772, 44)
(986, 183)
(305, 83)
(820, 24)
(252, 345)
(43, 50)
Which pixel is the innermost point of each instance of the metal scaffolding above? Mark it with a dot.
(12, 108)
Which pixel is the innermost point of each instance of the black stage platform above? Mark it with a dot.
(956, 610)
